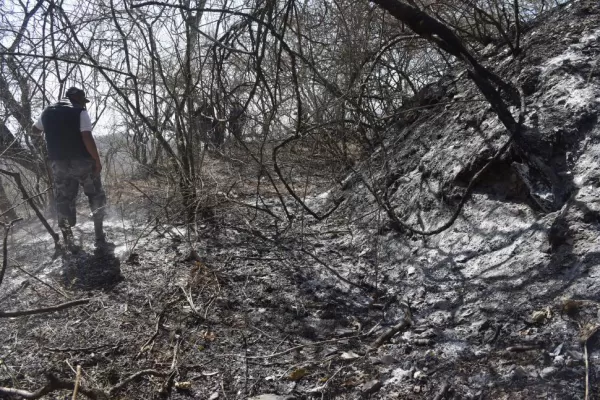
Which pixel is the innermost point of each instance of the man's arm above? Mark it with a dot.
(90, 145)
(38, 128)
(85, 124)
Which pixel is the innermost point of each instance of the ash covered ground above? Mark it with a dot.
(502, 305)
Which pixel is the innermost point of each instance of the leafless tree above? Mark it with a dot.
(298, 87)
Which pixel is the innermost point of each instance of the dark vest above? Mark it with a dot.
(62, 130)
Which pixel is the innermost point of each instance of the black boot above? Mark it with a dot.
(68, 237)
(99, 230)
(101, 242)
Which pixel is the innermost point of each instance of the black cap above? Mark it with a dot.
(73, 91)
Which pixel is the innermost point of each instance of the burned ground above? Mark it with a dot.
(501, 303)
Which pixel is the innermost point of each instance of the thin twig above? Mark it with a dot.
(245, 365)
(151, 339)
(587, 371)
(77, 380)
(523, 348)
(139, 374)
(260, 235)
(157, 328)
(188, 298)
(387, 335)
(280, 343)
(321, 388)
(62, 59)
(41, 281)
(281, 353)
(81, 349)
(166, 386)
(223, 390)
(10, 314)
(23, 202)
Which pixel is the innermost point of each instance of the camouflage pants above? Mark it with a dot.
(68, 176)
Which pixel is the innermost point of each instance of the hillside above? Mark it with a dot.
(503, 304)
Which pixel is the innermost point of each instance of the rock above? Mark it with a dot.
(399, 375)
(480, 325)
(214, 396)
(419, 375)
(559, 232)
(557, 350)
(489, 50)
(388, 360)
(539, 317)
(575, 355)
(548, 372)
(270, 397)
(559, 360)
(371, 386)
(529, 79)
(518, 373)
(349, 356)
(427, 334)
(480, 380)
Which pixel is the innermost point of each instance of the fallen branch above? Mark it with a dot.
(592, 72)
(168, 383)
(281, 353)
(151, 339)
(442, 393)
(139, 374)
(146, 345)
(320, 389)
(387, 335)
(54, 384)
(10, 314)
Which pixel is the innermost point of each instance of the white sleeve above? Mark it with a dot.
(38, 124)
(85, 124)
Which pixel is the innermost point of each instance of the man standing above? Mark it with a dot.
(74, 161)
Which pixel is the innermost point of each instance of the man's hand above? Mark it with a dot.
(35, 131)
(97, 166)
(90, 146)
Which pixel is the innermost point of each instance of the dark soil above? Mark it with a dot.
(500, 304)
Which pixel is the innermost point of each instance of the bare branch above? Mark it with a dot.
(42, 310)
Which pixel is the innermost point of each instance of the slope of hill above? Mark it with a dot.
(491, 293)
(503, 304)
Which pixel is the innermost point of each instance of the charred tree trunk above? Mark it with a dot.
(438, 33)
